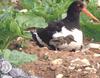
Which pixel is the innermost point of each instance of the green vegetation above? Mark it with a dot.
(17, 58)
(48, 9)
(9, 29)
(89, 28)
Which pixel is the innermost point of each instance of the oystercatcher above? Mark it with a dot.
(67, 30)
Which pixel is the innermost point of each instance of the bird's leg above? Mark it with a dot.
(56, 50)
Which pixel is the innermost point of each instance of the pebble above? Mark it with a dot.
(80, 62)
(92, 70)
(96, 55)
(57, 62)
(59, 76)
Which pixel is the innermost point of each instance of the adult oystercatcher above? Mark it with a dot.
(67, 30)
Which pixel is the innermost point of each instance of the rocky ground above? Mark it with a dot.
(63, 64)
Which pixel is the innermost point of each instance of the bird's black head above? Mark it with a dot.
(73, 12)
(76, 6)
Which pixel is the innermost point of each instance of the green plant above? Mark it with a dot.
(48, 9)
(89, 28)
(92, 31)
(30, 20)
(9, 28)
(16, 57)
(92, 6)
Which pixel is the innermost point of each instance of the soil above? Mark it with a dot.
(62, 64)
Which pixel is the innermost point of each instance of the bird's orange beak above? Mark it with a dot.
(84, 9)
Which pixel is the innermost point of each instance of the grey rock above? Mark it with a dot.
(5, 67)
(17, 72)
(6, 76)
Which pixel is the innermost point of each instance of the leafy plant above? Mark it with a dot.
(92, 6)
(30, 20)
(12, 25)
(17, 58)
(48, 9)
(92, 31)
(89, 28)
(9, 29)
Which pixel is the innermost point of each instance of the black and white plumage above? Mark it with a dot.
(68, 28)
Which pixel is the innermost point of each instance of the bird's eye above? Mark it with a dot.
(78, 5)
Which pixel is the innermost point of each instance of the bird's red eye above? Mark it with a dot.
(80, 5)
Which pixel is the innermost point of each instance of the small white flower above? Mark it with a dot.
(98, 2)
(23, 10)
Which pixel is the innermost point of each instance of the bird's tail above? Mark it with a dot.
(37, 39)
(94, 45)
(90, 45)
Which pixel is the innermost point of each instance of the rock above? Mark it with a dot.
(71, 67)
(57, 62)
(15, 72)
(6, 67)
(7, 71)
(53, 67)
(59, 76)
(80, 62)
(91, 70)
(96, 55)
(6, 76)
(85, 61)
(33, 77)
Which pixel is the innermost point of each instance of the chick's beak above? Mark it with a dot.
(84, 9)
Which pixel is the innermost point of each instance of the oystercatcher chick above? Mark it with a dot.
(68, 28)
(64, 43)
